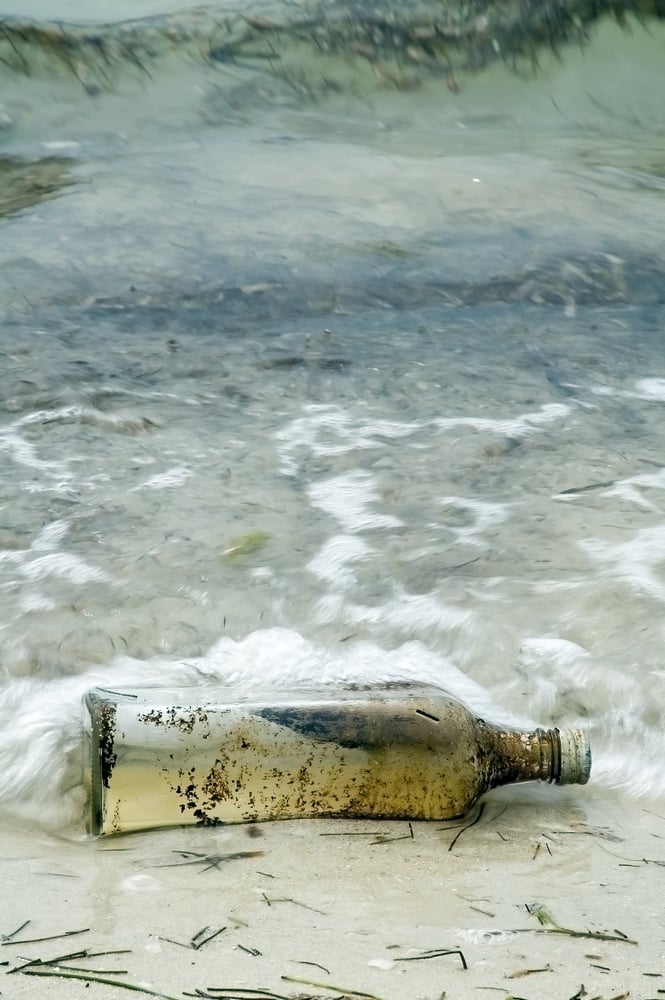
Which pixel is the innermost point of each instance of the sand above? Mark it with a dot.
(353, 906)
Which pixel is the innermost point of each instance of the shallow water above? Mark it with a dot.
(315, 388)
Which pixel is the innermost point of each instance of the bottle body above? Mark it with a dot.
(162, 758)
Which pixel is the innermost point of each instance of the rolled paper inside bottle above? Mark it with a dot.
(208, 756)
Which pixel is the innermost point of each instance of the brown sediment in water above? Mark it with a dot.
(24, 183)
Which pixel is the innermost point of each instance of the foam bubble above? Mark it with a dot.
(637, 560)
(334, 560)
(170, 479)
(64, 566)
(348, 499)
(328, 430)
(50, 536)
(25, 453)
(520, 426)
(651, 388)
(32, 600)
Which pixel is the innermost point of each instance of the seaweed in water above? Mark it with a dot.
(431, 36)
(24, 183)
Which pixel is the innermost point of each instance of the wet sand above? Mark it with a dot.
(360, 908)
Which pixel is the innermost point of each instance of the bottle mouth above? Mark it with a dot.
(574, 764)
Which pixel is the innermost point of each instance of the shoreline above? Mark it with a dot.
(389, 909)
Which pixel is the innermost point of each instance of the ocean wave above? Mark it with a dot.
(41, 779)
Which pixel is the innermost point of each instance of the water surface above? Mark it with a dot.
(333, 374)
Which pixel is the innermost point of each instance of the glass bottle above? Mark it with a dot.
(206, 756)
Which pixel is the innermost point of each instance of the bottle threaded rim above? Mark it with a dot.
(574, 764)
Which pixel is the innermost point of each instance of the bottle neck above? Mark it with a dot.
(516, 756)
